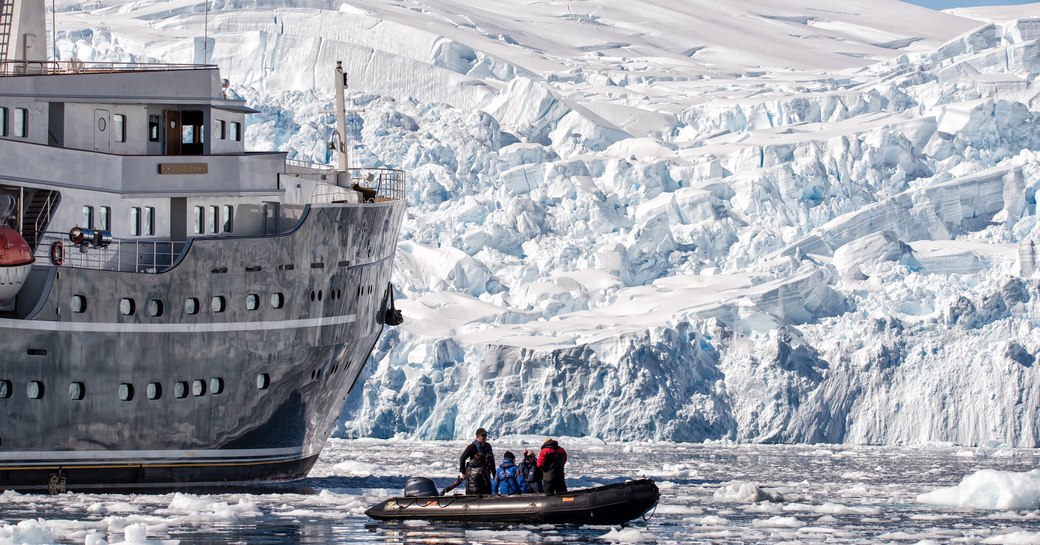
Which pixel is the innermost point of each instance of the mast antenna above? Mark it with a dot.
(205, 38)
(54, 36)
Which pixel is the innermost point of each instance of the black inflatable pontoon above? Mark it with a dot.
(610, 504)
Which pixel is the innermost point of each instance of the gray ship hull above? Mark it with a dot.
(238, 391)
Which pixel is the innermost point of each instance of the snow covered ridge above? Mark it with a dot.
(785, 225)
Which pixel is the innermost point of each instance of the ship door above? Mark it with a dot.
(173, 132)
(102, 131)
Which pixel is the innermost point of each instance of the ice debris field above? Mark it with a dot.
(757, 221)
(711, 493)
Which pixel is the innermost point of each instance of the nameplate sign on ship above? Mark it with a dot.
(183, 168)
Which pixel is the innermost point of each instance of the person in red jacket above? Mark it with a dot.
(551, 460)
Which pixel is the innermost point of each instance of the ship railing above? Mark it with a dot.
(362, 185)
(138, 256)
(16, 67)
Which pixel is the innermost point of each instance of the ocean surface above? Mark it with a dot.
(830, 494)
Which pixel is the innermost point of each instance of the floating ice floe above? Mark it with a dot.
(990, 489)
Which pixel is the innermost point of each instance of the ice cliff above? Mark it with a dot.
(766, 222)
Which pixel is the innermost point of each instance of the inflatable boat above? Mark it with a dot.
(610, 504)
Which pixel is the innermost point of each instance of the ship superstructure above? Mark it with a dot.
(174, 310)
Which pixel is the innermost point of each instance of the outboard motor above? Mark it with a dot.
(420, 487)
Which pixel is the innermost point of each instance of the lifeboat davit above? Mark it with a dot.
(16, 259)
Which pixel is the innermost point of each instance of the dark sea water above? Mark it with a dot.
(830, 495)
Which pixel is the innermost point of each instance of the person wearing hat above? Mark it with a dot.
(532, 475)
(551, 460)
(481, 446)
(508, 480)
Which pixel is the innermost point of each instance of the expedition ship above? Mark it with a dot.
(174, 310)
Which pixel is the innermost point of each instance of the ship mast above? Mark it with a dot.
(341, 118)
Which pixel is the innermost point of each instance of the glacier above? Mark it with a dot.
(760, 222)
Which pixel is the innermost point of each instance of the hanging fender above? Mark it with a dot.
(57, 253)
(391, 316)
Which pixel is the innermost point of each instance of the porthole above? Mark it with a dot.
(34, 389)
(180, 389)
(198, 388)
(76, 391)
(277, 300)
(79, 304)
(155, 308)
(312, 296)
(5, 389)
(319, 295)
(217, 304)
(339, 293)
(127, 307)
(191, 306)
(252, 301)
(216, 386)
(154, 390)
(126, 391)
(263, 380)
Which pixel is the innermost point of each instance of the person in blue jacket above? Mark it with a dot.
(509, 479)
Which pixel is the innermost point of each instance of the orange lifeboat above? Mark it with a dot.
(16, 259)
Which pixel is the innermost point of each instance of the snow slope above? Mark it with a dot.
(758, 221)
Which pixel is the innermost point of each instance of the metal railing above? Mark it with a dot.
(373, 185)
(16, 67)
(136, 256)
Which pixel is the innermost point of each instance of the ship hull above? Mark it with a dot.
(94, 398)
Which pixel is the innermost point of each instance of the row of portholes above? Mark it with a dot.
(34, 389)
(337, 293)
(156, 308)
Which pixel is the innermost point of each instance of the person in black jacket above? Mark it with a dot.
(476, 476)
(532, 475)
(481, 446)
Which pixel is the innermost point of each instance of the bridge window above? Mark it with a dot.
(192, 136)
(221, 129)
(153, 128)
(21, 122)
(3, 121)
(135, 221)
(229, 218)
(88, 217)
(149, 220)
(236, 131)
(214, 219)
(200, 219)
(104, 218)
(119, 127)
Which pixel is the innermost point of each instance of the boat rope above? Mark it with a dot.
(652, 513)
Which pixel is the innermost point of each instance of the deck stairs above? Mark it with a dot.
(6, 20)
